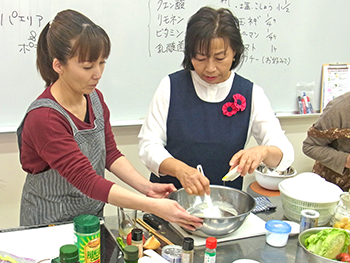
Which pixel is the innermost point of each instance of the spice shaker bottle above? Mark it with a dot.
(87, 238)
(137, 240)
(187, 250)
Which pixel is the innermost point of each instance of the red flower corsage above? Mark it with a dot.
(231, 108)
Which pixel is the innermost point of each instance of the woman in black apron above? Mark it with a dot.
(66, 141)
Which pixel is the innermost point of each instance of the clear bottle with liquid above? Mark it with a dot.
(210, 250)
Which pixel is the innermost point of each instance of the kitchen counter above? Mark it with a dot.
(254, 248)
(43, 242)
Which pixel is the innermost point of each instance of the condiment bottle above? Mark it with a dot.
(187, 250)
(210, 250)
(68, 254)
(137, 240)
(87, 238)
(131, 254)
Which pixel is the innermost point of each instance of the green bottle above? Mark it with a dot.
(131, 254)
(87, 238)
(68, 254)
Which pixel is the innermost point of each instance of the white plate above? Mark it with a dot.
(295, 227)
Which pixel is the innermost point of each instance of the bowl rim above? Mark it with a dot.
(276, 175)
(224, 187)
(315, 230)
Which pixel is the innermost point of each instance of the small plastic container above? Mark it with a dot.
(277, 233)
(172, 253)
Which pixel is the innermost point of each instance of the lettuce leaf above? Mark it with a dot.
(328, 242)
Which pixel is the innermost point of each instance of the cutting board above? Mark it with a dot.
(37, 243)
(252, 226)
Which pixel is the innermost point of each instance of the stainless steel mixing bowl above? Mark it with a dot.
(311, 257)
(221, 226)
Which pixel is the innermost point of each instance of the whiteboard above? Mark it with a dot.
(287, 41)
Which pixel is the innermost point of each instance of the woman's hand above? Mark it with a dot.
(190, 178)
(172, 211)
(194, 182)
(167, 209)
(160, 190)
(347, 165)
(249, 159)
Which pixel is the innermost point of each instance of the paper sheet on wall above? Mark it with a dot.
(335, 82)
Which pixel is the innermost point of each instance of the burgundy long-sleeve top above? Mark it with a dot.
(48, 143)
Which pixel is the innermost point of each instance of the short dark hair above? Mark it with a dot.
(70, 34)
(209, 23)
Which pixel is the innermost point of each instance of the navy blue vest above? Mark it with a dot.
(199, 133)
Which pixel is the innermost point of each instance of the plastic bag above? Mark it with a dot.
(10, 258)
(305, 94)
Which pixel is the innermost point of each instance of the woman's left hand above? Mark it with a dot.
(249, 159)
(160, 190)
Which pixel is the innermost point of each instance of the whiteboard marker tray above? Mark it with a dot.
(253, 226)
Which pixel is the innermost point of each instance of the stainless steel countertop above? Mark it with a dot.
(254, 248)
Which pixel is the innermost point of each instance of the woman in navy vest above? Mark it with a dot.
(206, 113)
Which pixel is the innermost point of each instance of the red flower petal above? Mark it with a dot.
(229, 109)
(240, 102)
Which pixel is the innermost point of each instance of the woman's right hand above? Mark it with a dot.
(172, 211)
(190, 178)
(193, 181)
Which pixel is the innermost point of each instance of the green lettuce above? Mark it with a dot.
(328, 242)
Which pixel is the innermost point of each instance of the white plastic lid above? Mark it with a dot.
(310, 187)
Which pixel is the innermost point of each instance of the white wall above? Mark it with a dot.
(12, 177)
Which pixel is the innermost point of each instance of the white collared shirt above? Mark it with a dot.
(263, 125)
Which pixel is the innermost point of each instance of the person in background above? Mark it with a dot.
(328, 142)
(206, 113)
(66, 141)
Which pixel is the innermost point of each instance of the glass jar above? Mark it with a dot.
(341, 217)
